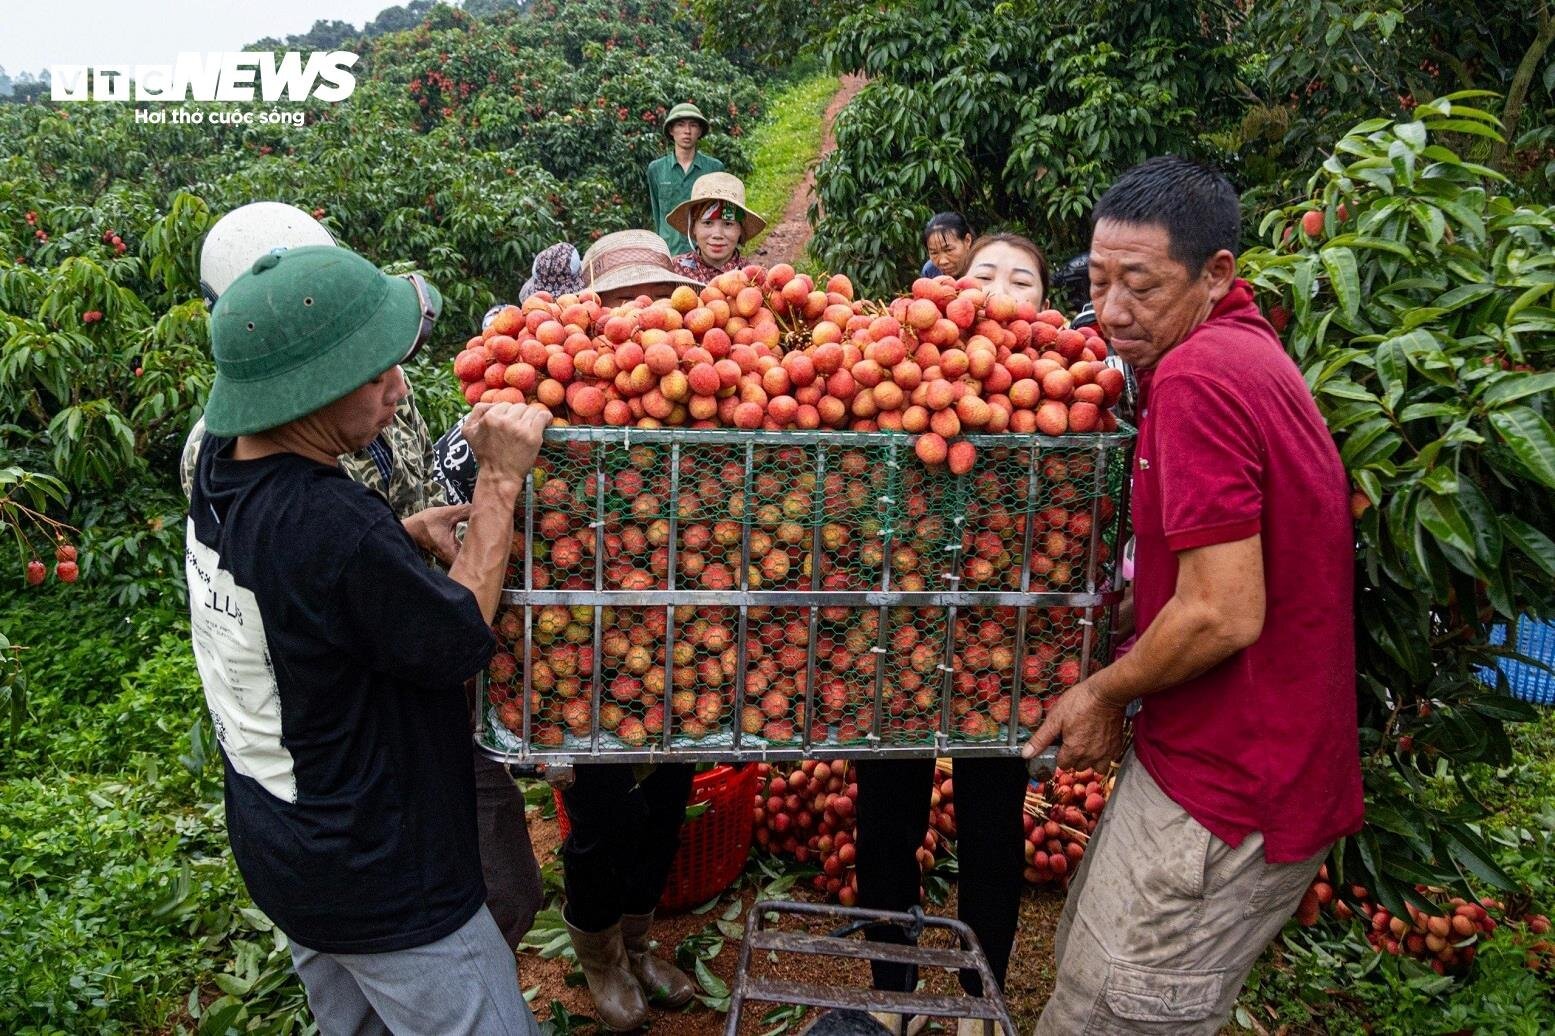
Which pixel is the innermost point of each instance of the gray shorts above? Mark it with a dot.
(1164, 920)
(466, 982)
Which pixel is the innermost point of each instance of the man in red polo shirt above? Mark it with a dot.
(1245, 766)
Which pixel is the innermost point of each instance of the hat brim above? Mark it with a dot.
(378, 343)
(679, 220)
(639, 275)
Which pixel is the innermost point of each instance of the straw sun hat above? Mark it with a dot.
(711, 187)
(630, 259)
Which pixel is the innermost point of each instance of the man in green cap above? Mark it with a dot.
(670, 177)
(333, 658)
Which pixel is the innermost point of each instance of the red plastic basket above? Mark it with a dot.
(714, 845)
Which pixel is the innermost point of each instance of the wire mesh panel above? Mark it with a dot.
(732, 594)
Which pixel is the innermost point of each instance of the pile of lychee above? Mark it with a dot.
(769, 349)
(1447, 938)
(809, 814)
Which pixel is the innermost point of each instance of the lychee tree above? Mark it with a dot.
(26, 498)
(1315, 73)
(1421, 307)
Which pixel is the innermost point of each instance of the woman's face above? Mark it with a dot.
(949, 252)
(715, 239)
(1003, 269)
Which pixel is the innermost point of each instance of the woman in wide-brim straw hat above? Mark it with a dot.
(717, 222)
(629, 263)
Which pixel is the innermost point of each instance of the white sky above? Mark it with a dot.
(35, 34)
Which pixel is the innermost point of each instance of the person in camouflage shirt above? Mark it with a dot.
(397, 464)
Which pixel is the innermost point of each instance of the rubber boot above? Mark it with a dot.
(618, 998)
(664, 983)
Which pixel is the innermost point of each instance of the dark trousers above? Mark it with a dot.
(624, 836)
(893, 814)
(513, 891)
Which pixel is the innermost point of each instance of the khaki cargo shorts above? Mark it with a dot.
(1164, 920)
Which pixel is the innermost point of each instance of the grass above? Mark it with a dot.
(785, 144)
(122, 910)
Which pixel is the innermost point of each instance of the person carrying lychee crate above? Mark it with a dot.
(718, 223)
(625, 820)
(671, 176)
(398, 464)
(1245, 765)
(333, 657)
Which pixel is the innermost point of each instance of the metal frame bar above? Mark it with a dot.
(845, 942)
(1028, 535)
(805, 598)
(817, 512)
(829, 437)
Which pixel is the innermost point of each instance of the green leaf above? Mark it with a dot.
(1345, 389)
(1442, 518)
(1419, 411)
(1504, 708)
(1344, 278)
(711, 984)
(1461, 296)
(1392, 368)
(1507, 386)
(220, 1015)
(1535, 545)
(1473, 855)
(1376, 243)
(1464, 126)
(1530, 439)
(1482, 521)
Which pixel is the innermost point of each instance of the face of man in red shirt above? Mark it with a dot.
(1146, 300)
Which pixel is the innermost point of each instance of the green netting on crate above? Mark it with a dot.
(726, 593)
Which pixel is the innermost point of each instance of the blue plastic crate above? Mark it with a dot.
(1536, 640)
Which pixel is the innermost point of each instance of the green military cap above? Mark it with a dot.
(305, 327)
(685, 110)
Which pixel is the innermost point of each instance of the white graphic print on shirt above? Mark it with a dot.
(234, 662)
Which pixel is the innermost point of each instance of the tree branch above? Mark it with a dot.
(1517, 93)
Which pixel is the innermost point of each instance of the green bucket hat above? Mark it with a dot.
(305, 327)
(685, 110)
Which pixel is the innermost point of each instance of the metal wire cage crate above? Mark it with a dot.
(725, 594)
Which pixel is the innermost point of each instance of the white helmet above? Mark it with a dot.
(245, 234)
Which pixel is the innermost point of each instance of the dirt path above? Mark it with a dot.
(786, 241)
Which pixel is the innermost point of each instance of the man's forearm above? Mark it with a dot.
(488, 541)
(1183, 641)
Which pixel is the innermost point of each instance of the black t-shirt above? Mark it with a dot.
(333, 660)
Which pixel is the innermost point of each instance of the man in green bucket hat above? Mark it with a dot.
(670, 177)
(333, 658)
